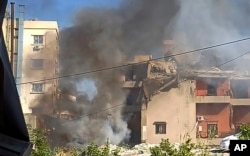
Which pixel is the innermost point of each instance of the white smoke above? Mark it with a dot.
(86, 87)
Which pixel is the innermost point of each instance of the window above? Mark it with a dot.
(212, 130)
(160, 127)
(239, 89)
(211, 90)
(37, 63)
(38, 39)
(37, 88)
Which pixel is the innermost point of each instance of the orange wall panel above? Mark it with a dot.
(241, 114)
(201, 88)
(201, 92)
(214, 112)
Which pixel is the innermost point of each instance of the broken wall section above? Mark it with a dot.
(177, 109)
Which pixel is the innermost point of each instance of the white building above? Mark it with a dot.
(35, 61)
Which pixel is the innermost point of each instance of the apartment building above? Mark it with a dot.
(35, 61)
(203, 104)
(39, 62)
(222, 103)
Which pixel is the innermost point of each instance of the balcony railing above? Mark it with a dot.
(240, 102)
(221, 134)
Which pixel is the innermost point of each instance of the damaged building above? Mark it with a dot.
(146, 101)
(203, 104)
(162, 102)
(157, 105)
(222, 102)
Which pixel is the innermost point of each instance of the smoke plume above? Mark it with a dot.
(205, 23)
(103, 38)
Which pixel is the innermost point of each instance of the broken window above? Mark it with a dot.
(212, 130)
(160, 127)
(239, 88)
(211, 90)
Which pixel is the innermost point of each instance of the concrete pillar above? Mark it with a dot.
(143, 123)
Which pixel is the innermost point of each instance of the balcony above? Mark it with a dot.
(212, 99)
(240, 102)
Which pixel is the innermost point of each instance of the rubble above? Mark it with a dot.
(143, 149)
(140, 149)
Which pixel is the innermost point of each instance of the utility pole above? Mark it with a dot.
(12, 36)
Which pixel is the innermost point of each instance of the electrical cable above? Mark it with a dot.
(132, 64)
(229, 61)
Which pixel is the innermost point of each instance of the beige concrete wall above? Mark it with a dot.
(48, 52)
(177, 109)
(38, 25)
(212, 99)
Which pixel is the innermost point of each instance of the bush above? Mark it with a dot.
(94, 150)
(245, 132)
(41, 147)
(167, 149)
(40, 143)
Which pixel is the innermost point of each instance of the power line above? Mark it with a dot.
(132, 64)
(229, 61)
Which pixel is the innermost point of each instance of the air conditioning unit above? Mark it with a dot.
(200, 118)
(36, 48)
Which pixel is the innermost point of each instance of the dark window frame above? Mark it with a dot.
(160, 127)
(41, 89)
(212, 127)
(38, 39)
(211, 90)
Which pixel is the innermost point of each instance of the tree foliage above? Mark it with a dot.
(40, 143)
(244, 132)
(167, 149)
